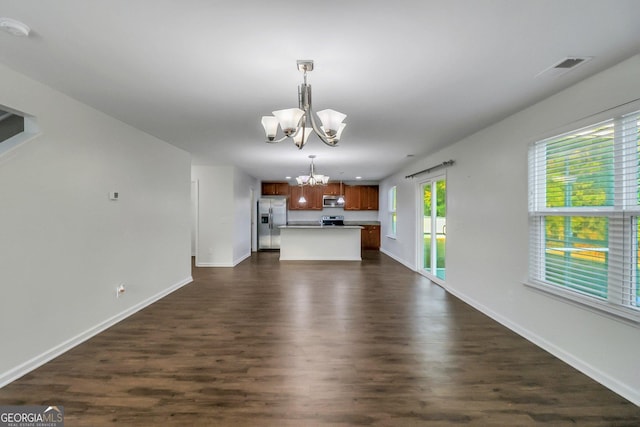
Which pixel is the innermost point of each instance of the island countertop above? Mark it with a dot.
(322, 227)
(320, 243)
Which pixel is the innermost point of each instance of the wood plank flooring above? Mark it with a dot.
(272, 343)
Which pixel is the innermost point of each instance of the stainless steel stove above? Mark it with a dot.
(332, 220)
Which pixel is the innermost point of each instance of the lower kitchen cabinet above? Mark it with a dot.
(370, 237)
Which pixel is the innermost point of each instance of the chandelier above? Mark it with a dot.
(313, 178)
(299, 123)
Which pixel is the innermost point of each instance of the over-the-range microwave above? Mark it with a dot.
(330, 201)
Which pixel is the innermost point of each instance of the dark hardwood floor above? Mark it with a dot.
(315, 344)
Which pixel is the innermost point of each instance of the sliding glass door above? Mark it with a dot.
(433, 228)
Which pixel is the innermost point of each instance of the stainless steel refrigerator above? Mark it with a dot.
(272, 213)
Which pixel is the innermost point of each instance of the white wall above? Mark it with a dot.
(215, 215)
(64, 246)
(224, 215)
(487, 230)
(244, 209)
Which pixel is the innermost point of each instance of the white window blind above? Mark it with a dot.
(584, 215)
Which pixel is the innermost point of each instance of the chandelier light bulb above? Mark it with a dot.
(339, 133)
(270, 124)
(331, 121)
(289, 120)
(300, 138)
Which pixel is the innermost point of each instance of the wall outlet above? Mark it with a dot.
(120, 290)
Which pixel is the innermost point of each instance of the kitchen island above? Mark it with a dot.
(320, 243)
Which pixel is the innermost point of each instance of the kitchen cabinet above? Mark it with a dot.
(313, 195)
(370, 237)
(369, 197)
(275, 189)
(361, 197)
(294, 195)
(332, 189)
(352, 198)
(357, 197)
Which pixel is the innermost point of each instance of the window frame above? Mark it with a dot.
(623, 218)
(392, 202)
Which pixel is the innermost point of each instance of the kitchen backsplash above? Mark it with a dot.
(311, 216)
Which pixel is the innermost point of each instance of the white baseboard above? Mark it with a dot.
(616, 386)
(400, 260)
(28, 366)
(242, 258)
(223, 264)
(214, 264)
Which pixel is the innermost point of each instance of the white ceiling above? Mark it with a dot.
(411, 75)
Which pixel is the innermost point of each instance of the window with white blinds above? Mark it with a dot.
(584, 215)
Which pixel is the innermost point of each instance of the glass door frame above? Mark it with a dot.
(420, 228)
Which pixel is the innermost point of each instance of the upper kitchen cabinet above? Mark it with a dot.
(369, 197)
(352, 197)
(275, 189)
(332, 189)
(295, 192)
(361, 197)
(313, 196)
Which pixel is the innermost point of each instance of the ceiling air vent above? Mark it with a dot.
(16, 128)
(569, 63)
(563, 66)
(10, 125)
